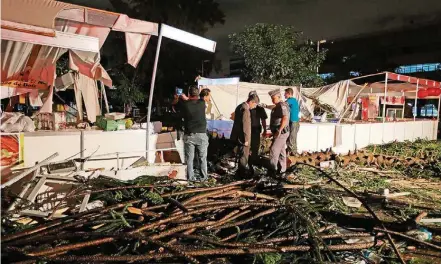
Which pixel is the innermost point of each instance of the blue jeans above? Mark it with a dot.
(196, 142)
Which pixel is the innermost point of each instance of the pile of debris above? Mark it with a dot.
(350, 214)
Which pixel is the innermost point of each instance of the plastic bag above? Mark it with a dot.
(16, 122)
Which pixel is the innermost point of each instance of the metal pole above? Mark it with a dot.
(437, 118)
(416, 98)
(439, 105)
(101, 101)
(106, 102)
(82, 150)
(202, 74)
(237, 94)
(384, 99)
(404, 104)
(318, 51)
(353, 100)
(27, 171)
(152, 88)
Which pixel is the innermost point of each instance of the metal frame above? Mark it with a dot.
(183, 37)
(118, 157)
(36, 189)
(384, 98)
(26, 172)
(61, 40)
(416, 100)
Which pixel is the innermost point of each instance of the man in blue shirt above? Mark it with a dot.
(293, 121)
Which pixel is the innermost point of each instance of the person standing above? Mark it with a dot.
(241, 132)
(258, 121)
(279, 125)
(205, 95)
(195, 132)
(293, 121)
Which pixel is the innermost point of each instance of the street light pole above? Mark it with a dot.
(318, 49)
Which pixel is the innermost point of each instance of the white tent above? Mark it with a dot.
(227, 93)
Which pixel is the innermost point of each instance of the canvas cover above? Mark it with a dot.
(225, 98)
(40, 13)
(86, 90)
(333, 95)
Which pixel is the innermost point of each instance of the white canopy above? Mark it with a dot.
(227, 95)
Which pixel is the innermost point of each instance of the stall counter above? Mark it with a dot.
(95, 144)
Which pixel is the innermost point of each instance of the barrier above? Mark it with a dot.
(343, 138)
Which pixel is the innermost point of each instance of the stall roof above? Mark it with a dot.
(55, 19)
(396, 84)
(43, 13)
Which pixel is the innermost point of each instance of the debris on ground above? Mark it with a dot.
(362, 210)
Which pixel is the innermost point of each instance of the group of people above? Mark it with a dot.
(250, 117)
(249, 124)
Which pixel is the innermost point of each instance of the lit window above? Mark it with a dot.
(427, 67)
(325, 76)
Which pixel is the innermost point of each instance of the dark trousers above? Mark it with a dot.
(244, 159)
(255, 145)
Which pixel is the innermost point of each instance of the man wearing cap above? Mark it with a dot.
(279, 125)
(241, 132)
(258, 120)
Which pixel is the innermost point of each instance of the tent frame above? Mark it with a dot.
(405, 79)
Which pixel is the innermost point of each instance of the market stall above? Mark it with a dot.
(379, 118)
(34, 36)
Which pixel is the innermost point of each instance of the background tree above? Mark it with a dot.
(128, 90)
(275, 54)
(179, 64)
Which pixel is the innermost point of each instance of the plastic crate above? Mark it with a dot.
(110, 125)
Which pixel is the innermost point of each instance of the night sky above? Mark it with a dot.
(324, 19)
(318, 19)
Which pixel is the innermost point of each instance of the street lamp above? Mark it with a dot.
(318, 49)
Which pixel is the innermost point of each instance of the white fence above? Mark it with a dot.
(348, 137)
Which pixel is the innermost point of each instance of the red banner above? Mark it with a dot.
(414, 80)
(393, 100)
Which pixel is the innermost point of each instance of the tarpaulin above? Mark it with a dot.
(225, 98)
(127, 24)
(137, 34)
(15, 58)
(83, 29)
(89, 64)
(333, 95)
(39, 13)
(135, 45)
(87, 90)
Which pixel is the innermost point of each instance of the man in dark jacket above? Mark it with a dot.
(241, 132)
(258, 120)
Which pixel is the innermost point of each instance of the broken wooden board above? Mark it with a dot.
(173, 171)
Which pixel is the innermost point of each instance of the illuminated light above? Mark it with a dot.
(188, 38)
